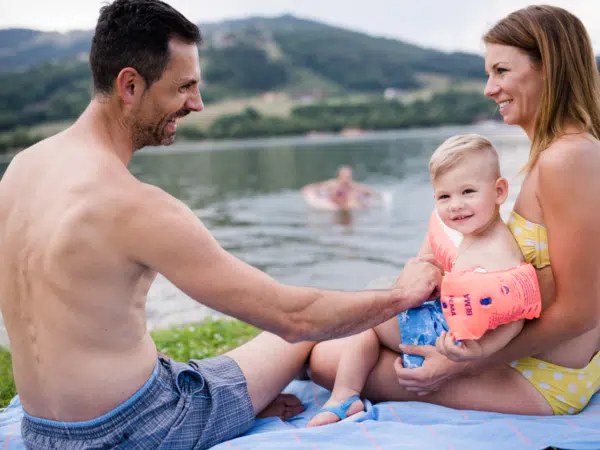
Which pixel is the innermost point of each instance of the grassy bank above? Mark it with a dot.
(210, 338)
(7, 386)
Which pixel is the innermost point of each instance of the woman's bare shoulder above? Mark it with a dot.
(572, 163)
(570, 151)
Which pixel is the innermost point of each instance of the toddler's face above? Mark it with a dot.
(467, 198)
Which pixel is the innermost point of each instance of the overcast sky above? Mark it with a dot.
(442, 24)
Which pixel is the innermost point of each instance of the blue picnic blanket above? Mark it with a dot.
(394, 425)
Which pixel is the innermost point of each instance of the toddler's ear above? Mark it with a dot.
(501, 190)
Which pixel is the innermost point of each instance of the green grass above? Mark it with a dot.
(209, 338)
(7, 385)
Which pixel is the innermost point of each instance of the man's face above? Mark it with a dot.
(174, 95)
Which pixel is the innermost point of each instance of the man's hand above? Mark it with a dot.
(466, 350)
(433, 373)
(419, 281)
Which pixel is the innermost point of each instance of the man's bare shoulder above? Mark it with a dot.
(21, 160)
(21, 175)
(157, 227)
(147, 200)
(149, 211)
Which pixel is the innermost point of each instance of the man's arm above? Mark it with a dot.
(164, 235)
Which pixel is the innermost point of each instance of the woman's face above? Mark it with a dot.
(515, 84)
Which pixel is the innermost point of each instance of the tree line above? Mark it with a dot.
(452, 107)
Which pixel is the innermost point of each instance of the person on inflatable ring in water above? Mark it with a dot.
(487, 290)
(343, 192)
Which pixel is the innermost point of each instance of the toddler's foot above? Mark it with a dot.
(337, 409)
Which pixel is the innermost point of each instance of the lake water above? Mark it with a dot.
(248, 195)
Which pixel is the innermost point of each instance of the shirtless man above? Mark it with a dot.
(81, 241)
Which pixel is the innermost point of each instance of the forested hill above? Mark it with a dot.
(44, 76)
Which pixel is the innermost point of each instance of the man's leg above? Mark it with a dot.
(499, 389)
(269, 364)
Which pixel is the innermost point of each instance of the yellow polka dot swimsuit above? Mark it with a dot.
(567, 390)
(532, 238)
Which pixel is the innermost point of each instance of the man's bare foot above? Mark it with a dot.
(285, 406)
(346, 410)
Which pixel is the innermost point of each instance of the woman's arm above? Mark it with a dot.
(569, 191)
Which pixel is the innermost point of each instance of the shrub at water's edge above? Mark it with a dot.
(209, 338)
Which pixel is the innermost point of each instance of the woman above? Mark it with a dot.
(543, 75)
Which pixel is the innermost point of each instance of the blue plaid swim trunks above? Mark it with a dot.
(421, 326)
(192, 405)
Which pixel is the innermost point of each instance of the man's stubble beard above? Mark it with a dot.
(150, 134)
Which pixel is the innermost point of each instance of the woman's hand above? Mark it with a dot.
(435, 371)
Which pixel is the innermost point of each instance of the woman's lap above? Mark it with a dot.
(499, 389)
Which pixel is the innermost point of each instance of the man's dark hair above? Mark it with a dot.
(136, 33)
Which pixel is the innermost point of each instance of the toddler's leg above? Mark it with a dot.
(389, 334)
(358, 357)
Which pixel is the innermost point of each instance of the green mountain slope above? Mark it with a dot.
(44, 76)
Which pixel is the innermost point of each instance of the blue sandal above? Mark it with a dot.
(342, 409)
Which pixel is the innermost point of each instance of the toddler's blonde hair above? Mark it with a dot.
(457, 148)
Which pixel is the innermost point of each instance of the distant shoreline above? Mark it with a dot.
(184, 146)
(487, 128)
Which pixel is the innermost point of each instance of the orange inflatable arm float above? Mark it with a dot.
(473, 301)
(442, 245)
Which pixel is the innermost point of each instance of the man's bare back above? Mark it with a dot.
(74, 305)
(73, 298)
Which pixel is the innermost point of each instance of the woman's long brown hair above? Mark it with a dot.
(557, 41)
